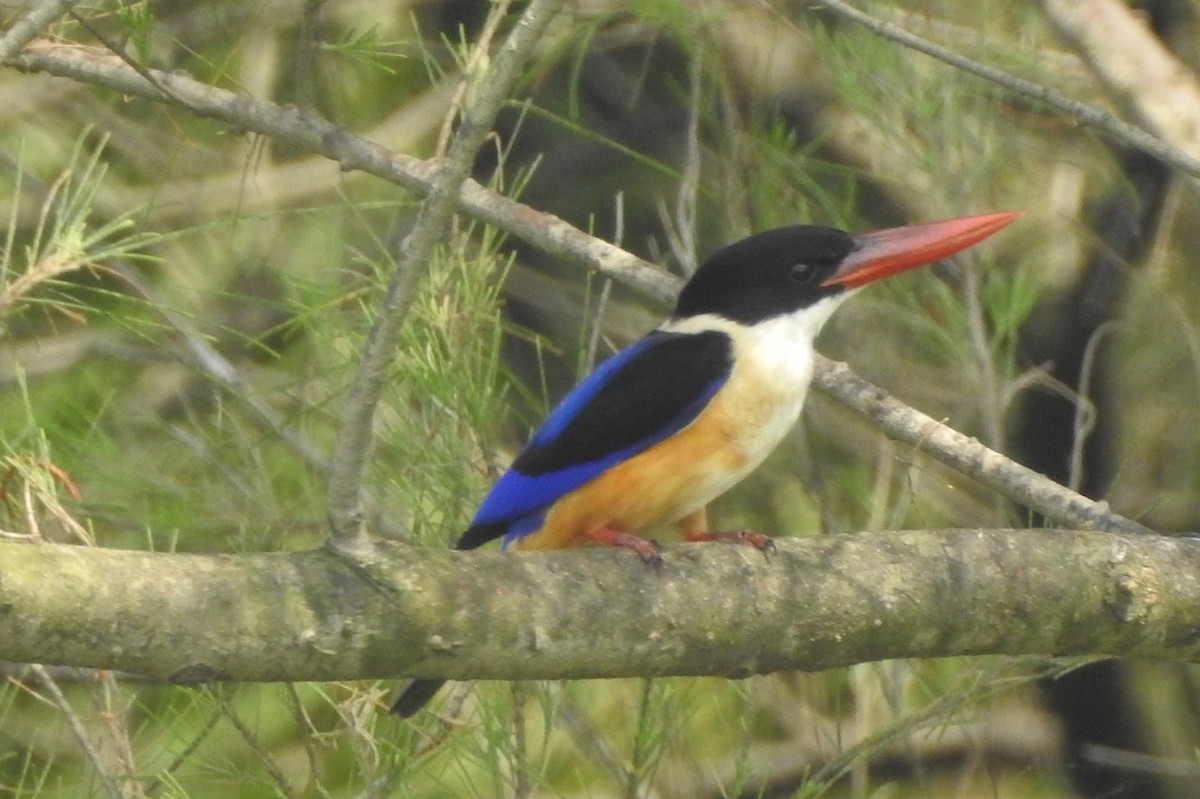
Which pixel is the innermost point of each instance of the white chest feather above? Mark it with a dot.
(773, 362)
(772, 369)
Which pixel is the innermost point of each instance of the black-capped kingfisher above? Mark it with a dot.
(674, 420)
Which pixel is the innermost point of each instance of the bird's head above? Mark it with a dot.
(790, 270)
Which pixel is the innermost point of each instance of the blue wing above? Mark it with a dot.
(640, 396)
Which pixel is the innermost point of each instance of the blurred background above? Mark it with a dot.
(182, 306)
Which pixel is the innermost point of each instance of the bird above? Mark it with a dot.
(666, 425)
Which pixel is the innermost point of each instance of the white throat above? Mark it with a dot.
(773, 363)
(775, 341)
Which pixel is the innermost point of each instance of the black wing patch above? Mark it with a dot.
(653, 394)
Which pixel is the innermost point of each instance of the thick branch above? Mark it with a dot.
(712, 609)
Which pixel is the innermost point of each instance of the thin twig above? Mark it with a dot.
(519, 758)
(993, 418)
(1138, 69)
(26, 29)
(966, 455)
(304, 130)
(591, 742)
(1085, 410)
(81, 735)
(282, 782)
(476, 64)
(348, 533)
(1118, 130)
(117, 50)
(593, 345)
(680, 226)
(116, 719)
(160, 784)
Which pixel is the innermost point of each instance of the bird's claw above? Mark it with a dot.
(763, 543)
(647, 549)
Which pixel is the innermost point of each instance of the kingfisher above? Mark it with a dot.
(671, 422)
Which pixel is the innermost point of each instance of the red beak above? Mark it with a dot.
(887, 252)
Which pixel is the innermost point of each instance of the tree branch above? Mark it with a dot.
(304, 130)
(1169, 152)
(712, 609)
(1139, 71)
(24, 30)
(353, 444)
(967, 455)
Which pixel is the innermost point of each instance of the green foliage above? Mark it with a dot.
(447, 375)
(184, 309)
(368, 48)
(64, 239)
(137, 20)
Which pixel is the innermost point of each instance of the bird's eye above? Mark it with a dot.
(802, 274)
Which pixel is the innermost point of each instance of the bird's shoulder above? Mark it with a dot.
(649, 390)
(638, 397)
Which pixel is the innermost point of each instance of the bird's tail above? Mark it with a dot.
(418, 692)
(415, 696)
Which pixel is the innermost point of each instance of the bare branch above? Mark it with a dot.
(26, 29)
(1116, 129)
(79, 731)
(1133, 63)
(966, 455)
(307, 131)
(716, 610)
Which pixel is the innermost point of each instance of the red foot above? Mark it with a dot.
(648, 550)
(763, 543)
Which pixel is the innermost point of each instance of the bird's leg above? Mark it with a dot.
(695, 528)
(760, 541)
(648, 550)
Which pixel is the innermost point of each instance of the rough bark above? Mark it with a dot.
(712, 609)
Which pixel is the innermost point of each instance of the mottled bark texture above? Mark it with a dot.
(711, 609)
